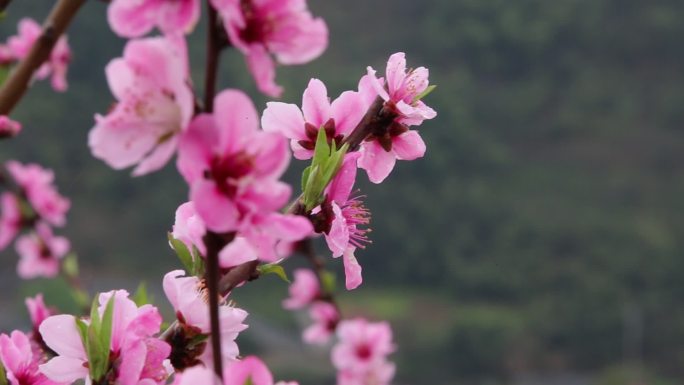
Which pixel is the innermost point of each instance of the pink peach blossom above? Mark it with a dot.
(8, 127)
(37, 183)
(236, 373)
(20, 361)
(188, 296)
(10, 219)
(402, 87)
(38, 311)
(259, 28)
(232, 168)
(21, 44)
(155, 105)
(304, 289)
(338, 118)
(136, 357)
(325, 317)
(40, 253)
(189, 227)
(361, 353)
(352, 269)
(134, 18)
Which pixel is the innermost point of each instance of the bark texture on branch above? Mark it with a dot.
(19, 79)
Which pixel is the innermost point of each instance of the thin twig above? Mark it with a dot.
(213, 53)
(54, 26)
(214, 244)
(4, 4)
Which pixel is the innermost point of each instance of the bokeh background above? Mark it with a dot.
(538, 242)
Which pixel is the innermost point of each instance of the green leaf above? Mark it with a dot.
(249, 381)
(82, 330)
(425, 93)
(322, 149)
(305, 177)
(183, 254)
(3, 375)
(328, 281)
(141, 297)
(273, 268)
(4, 70)
(106, 326)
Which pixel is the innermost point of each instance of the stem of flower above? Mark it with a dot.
(213, 53)
(4, 4)
(54, 26)
(214, 243)
(376, 119)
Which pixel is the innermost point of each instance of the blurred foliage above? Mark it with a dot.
(547, 210)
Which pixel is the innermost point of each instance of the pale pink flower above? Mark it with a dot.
(325, 317)
(8, 127)
(189, 227)
(362, 351)
(304, 289)
(40, 253)
(136, 356)
(155, 104)
(236, 373)
(20, 361)
(21, 44)
(10, 219)
(338, 118)
(232, 167)
(352, 269)
(399, 93)
(284, 28)
(188, 296)
(37, 184)
(134, 18)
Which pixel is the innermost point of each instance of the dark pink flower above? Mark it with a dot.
(233, 170)
(338, 118)
(134, 18)
(8, 127)
(40, 253)
(304, 289)
(236, 373)
(154, 105)
(10, 219)
(37, 184)
(361, 353)
(20, 361)
(399, 93)
(189, 227)
(20, 46)
(38, 311)
(325, 317)
(284, 28)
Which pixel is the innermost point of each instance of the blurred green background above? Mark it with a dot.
(539, 240)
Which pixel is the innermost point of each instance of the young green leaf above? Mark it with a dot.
(3, 375)
(273, 268)
(328, 281)
(322, 149)
(305, 177)
(70, 265)
(183, 253)
(425, 93)
(141, 297)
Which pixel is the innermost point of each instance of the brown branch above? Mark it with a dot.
(214, 243)
(54, 26)
(213, 53)
(377, 120)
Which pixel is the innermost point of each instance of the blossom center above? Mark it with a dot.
(256, 28)
(363, 352)
(226, 171)
(312, 134)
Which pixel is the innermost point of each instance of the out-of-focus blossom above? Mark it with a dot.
(188, 296)
(154, 105)
(250, 370)
(38, 311)
(304, 289)
(338, 118)
(189, 227)
(361, 353)
(325, 317)
(10, 219)
(136, 357)
(40, 253)
(134, 18)
(283, 28)
(20, 361)
(400, 92)
(9, 127)
(20, 45)
(37, 183)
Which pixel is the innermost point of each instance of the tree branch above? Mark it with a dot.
(4, 4)
(213, 52)
(54, 26)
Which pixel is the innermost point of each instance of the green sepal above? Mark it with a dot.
(183, 253)
(141, 296)
(273, 268)
(425, 93)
